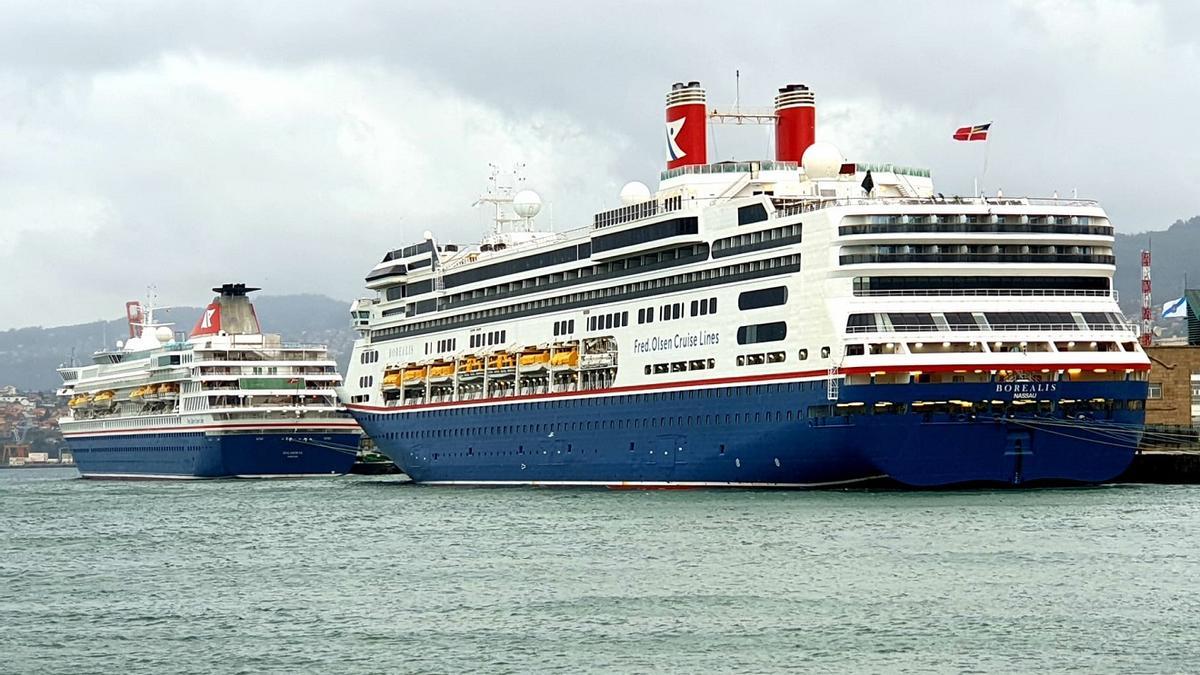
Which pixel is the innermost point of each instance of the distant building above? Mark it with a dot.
(1174, 395)
(1193, 316)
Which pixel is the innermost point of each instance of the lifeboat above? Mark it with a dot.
(470, 366)
(501, 361)
(168, 390)
(80, 401)
(441, 371)
(138, 394)
(391, 379)
(104, 399)
(568, 358)
(413, 375)
(535, 360)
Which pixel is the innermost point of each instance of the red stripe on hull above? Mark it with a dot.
(746, 379)
(210, 427)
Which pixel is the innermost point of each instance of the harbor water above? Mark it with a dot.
(373, 575)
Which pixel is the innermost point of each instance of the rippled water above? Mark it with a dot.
(369, 575)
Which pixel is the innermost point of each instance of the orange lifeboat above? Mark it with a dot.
(536, 359)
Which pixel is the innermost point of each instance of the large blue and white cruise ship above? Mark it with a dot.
(228, 401)
(785, 322)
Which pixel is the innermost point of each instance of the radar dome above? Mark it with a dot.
(822, 160)
(634, 192)
(527, 203)
(120, 344)
(163, 334)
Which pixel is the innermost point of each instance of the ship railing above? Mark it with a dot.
(965, 329)
(973, 228)
(791, 206)
(923, 258)
(271, 408)
(988, 292)
(639, 211)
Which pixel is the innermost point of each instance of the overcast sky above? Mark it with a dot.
(290, 144)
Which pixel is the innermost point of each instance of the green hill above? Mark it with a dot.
(1176, 254)
(29, 356)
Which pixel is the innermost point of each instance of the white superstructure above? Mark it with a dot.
(900, 279)
(228, 379)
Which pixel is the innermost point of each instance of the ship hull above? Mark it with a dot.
(764, 435)
(208, 455)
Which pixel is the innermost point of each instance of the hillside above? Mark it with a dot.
(29, 356)
(1176, 254)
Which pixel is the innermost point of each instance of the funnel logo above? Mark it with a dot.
(674, 152)
(209, 322)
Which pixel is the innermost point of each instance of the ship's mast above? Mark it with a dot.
(501, 189)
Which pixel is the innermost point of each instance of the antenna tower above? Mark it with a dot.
(1147, 306)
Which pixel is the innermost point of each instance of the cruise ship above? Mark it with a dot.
(800, 321)
(228, 401)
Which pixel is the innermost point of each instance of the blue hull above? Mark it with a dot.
(200, 455)
(770, 435)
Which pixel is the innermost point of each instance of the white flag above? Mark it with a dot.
(1175, 309)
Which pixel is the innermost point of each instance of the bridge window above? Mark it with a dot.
(754, 213)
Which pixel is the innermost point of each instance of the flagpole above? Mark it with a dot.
(986, 145)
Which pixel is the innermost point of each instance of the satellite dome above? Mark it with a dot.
(634, 192)
(120, 344)
(822, 160)
(163, 334)
(527, 203)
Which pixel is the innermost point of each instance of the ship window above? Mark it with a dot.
(911, 321)
(754, 213)
(961, 321)
(803, 354)
(1030, 318)
(668, 228)
(763, 297)
(1101, 320)
(762, 332)
(860, 323)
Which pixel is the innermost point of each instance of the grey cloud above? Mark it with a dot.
(107, 180)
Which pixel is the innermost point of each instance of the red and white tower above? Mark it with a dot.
(1147, 306)
(795, 123)
(687, 112)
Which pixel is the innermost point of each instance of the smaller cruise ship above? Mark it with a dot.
(227, 401)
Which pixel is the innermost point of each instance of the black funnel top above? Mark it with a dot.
(234, 290)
